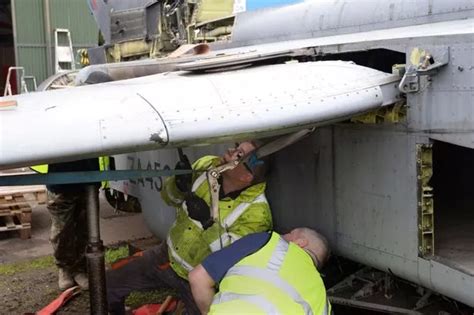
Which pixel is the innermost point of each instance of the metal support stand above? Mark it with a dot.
(95, 255)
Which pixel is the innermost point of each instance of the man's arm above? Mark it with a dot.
(171, 194)
(202, 287)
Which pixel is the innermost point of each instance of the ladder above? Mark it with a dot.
(32, 79)
(23, 87)
(63, 52)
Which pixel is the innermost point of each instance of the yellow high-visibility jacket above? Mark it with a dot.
(188, 242)
(279, 278)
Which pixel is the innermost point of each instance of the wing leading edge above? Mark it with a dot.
(182, 108)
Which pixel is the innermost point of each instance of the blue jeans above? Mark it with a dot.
(149, 272)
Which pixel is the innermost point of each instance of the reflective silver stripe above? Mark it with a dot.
(175, 255)
(237, 212)
(199, 181)
(171, 194)
(227, 238)
(325, 310)
(256, 300)
(279, 253)
(274, 279)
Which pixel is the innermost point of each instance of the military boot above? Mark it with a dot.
(65, 280)
(82, 280)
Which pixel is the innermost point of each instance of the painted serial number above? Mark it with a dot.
(154, 183)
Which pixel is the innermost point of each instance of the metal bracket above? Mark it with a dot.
(372, 306)
(423, 301)
(417, 76)
(365, 283)
(213, 179)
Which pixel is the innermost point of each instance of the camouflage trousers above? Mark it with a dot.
(69, 229)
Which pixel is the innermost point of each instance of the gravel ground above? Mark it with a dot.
(29, 291)
(28, 276)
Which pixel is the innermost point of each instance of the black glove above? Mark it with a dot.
(184, 182)
(198, 210)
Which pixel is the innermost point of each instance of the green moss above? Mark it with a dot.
(38, 263)
(137, 299)
(111, 255)
(114, 254)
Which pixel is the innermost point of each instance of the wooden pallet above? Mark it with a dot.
(16, 218)
(30, 194)
(15, 207)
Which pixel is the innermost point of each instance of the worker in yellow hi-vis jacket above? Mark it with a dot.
(195, 234)
(264, 273)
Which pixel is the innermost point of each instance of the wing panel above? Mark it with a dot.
(270, 100)
(343, 19)
(75, 123)
(434, 29)
(182, 108)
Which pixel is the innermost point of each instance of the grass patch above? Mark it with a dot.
(38, 263)
(111, 255)
(114, 254)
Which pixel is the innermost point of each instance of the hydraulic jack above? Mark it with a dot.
(95, 255)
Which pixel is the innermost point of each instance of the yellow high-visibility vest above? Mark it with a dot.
(280, 278)
(42, 169)
(188, 242)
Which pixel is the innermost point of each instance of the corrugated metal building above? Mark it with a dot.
(27, 34)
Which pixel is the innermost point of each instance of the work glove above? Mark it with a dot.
(198, 210)
(184, 182)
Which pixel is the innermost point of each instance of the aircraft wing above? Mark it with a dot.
(185, 108)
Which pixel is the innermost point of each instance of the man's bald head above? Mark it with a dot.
(314, 243)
